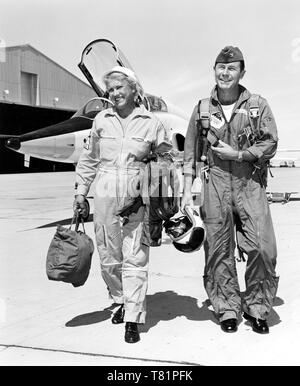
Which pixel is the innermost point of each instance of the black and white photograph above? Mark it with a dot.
(149, 186)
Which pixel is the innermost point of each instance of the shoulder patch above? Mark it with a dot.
(86, 141)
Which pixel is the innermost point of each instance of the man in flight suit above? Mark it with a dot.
(234, 197)
(121, 138)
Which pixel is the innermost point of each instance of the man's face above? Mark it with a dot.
(120, 92)
(228, 75)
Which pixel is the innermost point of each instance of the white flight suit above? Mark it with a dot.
(114, 156)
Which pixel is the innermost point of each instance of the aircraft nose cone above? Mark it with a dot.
(13, 143)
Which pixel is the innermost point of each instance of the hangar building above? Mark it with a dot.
(35, 92)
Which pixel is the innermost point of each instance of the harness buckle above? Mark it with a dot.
(205, 171)
(256, 168)
(204, 115)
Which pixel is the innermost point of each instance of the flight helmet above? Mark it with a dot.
(187, 231)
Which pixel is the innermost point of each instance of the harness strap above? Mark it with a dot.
(203, 125)
(203, 114)
(254, 114)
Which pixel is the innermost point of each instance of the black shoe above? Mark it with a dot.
(258, 325)
(119, 315)
(229, 325)
(131, 332)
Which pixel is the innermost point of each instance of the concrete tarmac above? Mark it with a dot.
(43, 322)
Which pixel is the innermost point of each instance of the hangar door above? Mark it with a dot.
(29, 83)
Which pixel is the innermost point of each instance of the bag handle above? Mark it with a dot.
(76, 218)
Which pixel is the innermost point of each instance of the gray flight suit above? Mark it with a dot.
(113, 157)
(234, 200)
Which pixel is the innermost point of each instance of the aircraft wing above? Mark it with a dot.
(59, 142)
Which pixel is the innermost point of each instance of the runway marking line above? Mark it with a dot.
(98, 355)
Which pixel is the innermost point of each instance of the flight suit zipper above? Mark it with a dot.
(229, 143)
(229, 133)
(124, 129)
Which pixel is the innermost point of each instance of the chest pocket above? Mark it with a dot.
(108, 145)
(217, 124)
(139, 146)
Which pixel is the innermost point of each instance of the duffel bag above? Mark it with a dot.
(70, 254)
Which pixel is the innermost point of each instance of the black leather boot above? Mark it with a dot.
(131, 332)
(119, 315)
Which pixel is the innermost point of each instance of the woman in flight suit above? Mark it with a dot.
(121, 137)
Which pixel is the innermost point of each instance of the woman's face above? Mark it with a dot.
(120, 92)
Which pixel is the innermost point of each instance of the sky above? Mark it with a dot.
(172, 44)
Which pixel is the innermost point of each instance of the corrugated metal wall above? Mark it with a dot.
(10, 75)
(52, 85)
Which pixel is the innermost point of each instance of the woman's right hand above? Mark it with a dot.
(186, 200)
(80, 205)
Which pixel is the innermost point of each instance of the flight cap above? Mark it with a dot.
(123, 70)
(229, 54)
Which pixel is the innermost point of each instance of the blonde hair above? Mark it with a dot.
(133, 83)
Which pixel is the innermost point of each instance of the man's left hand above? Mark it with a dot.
(225, 151)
